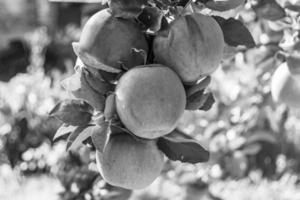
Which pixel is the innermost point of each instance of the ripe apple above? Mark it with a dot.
(130, 163)
(107, 43)
(150, 99)
(193, 47)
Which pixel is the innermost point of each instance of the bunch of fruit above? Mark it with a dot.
(138, 69)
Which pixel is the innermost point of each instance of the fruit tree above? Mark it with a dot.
(142, 63)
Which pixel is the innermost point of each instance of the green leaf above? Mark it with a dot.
(73, 112)
(151, 18)
(209, 101)
(195, 101)
(87, 86)
(251, 149)
(126, 8)
(235, 33)
(268, 9)
(110, 107)
(184, 150)
(80, 134)
(294, 6)
(200, 100)
(100, 136)
(201, 85)
(63, 130)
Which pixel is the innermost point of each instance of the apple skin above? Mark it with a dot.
(285, 86)
(150, 100)
(193, 47)
(130, 163)
(109, 41)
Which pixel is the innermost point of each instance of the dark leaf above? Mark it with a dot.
(110, 107)
(292, 6)
(183, 3)
(80, 134)
(126, 8)
(74, 112)
(261, 136)
(140, 52)
(63, 130)
(100, 136)
(269, 9)
(151, 18)
(95, 80)
(183, 150)
(235, 33)
(209, 100)
(252, 149)
(195, 101)
(201, 85)
(223, 5)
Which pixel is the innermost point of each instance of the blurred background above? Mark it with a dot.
(254, 143)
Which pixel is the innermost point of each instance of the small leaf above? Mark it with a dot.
(251, 149)
(261, 136)
(140, 52)
(73, 112)
(76, 138)
(209, 100)
(269, 9)
(235, 33)
(100, 136)
(84, 85)
(183, 150)
(72, 83)
(126, 8)
(294, 6)
(223, 5)
(151, 18)
(91, 61)
(110, 107)
(201, 85)
(195, 101)
(63, 130)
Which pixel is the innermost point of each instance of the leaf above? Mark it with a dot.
(73, 112)
(72, 83)
(110, 107)
(251, 149)
(126, 8)
(184, 150)
(200, 100)
(209, 100)
(261, 136)
(63, 130)
(195, 101)
(294, 6)
(140, 52)
(235, 33)
(84, 85)
(100, 136)
(151, 18)
(76, 138)
(223, 5)
(91, 61)
(95, 80)
(201, 85)
(269, 9)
